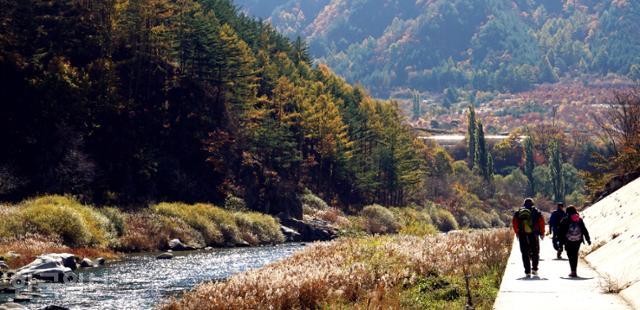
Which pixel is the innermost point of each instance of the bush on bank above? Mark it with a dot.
(68, 223)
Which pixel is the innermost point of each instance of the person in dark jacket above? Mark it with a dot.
(554, 223)
(573, 233)
(528, 224)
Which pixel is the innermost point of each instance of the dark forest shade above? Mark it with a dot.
(130, 102)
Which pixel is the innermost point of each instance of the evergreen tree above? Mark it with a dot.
(471, 137)
(451, 96)
(529, 166)
(300, 51)
(547, 71)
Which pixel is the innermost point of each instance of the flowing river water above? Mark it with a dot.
(143, 282)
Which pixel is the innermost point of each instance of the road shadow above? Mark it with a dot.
(533, 278)
(561, 259)
(576, 278)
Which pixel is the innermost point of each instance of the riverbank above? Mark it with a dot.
(396, 271)
(55, 224)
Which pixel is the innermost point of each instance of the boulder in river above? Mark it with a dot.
(21, 298)
(86, 263)
(100, 261)
(51, 268)
(177, 245)
(165, 255)
(54, 308)
(12, 306)
(290, 234)
(311, 230)
(243, 244)
(3, 266)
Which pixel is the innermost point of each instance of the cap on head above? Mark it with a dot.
(528, 202)
(560, 204)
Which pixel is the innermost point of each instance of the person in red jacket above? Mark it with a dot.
(528, 224)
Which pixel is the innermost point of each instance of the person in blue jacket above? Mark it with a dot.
(554, 225)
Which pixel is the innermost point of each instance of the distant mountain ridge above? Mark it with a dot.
(432, 45)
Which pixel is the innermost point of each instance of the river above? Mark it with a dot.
(142, 282)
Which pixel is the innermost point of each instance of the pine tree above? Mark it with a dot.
(471, 137)
(555, 166)
(529, 165)
(300, 51)
(547, 71)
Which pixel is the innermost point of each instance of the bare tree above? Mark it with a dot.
(620, 126)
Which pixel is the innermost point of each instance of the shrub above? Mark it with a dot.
(220, 227)
(76, 224)
(233, 203)
(379, 220)
(117, 218)
(201, 217)
(144, 232)
(313, 202)
(414, 222)
(10, 225)
(257, 228)
(444, 220)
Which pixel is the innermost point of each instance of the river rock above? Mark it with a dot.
(100, 261)
(166, 255)
(290, 234)
(54, 308)
(12, 306)
(243, 244)
(177, 245)
(12, 255)
(208, 248)
(21, 298)
(50, 267)
(3, 266)
(86, 263)
(311, 230)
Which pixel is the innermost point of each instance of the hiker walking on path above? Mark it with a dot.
(554, 224)
(528, 224)
(573, 233)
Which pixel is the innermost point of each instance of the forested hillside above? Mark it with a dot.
(128, 102)
(503, 45)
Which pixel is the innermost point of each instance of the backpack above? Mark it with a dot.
(574, 233)
(526, 221)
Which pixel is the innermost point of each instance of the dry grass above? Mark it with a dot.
(363, 273)
(611, 285)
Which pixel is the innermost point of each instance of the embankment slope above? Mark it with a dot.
(614, 225)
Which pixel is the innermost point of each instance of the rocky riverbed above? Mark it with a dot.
(142, 281)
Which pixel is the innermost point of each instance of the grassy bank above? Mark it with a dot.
(62, 224)
(382, 272)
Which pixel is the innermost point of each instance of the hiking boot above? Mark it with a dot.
(528, 275)
(559, 255)
(535, 272)
(573, 275)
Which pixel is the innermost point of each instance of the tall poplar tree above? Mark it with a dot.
(471, 137)
(555, 166)
(415, 109)
(482, 155)
(529, 165)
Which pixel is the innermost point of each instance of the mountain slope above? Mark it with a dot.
(484, 44)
